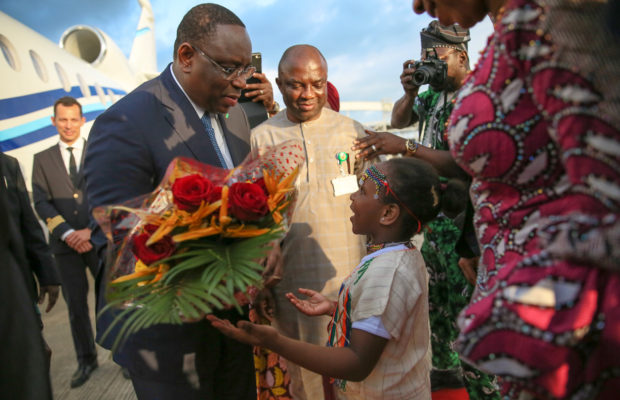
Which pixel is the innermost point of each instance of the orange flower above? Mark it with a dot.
(165, 228)
(141, 270)
(197, 233)
(278, 186)
(163, 268)
(241, 231)
(224, 218)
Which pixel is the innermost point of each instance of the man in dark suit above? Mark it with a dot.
(24, 374)
(58, 189)
(189, 110)
(38, 258)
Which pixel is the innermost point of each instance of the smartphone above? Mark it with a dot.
(257, 63)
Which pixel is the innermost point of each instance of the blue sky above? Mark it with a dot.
(365, 42)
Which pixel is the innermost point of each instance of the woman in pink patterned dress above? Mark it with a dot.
(537, 127)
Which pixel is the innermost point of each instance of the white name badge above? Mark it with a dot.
(345, 185)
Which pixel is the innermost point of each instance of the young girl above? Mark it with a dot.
(379, 346)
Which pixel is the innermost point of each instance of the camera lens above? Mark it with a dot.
(422, 75)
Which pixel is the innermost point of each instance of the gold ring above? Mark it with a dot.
(261, 91)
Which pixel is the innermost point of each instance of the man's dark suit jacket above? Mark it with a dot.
(61, 205)
(129, 148)
(24, 374)
(40, 261)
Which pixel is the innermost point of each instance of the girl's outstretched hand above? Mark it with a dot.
(245, 331)
(315, 304)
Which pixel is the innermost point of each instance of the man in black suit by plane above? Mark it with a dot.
(58, 187)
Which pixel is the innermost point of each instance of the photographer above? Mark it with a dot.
(444, 66)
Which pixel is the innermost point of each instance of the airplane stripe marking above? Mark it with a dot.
(142, 31)
(39, 134)
(16, 106)
(36, 124)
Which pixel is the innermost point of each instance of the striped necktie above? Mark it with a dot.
(206, 121)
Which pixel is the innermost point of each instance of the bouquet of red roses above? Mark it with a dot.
(194, 244)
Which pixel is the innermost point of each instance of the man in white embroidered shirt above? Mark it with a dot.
(320, 249)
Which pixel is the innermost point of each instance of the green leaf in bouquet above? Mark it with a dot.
(201, 300)
(230, 286)
(206, 277)
(202, 260)
(222, 295)
(186, 306)
(250, 275)
(219, 271)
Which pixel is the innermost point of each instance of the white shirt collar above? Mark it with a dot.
(199, 110)
(219, 135)
(78, 144)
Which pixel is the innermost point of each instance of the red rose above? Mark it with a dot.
(150, 228)
(247, 201)
(261, 182)
(149, 254)
(189, 191)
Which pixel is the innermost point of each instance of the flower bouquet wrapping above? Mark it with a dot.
(195, 243)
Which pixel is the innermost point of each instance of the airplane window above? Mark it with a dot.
(100, 93)
(83, 86)
(37, 61)
(9, 53)
(62, 75)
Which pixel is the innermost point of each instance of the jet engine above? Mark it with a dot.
(95, 47)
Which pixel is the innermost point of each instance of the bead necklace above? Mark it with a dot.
(372, 247)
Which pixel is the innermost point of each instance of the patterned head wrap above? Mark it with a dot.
(437, 35)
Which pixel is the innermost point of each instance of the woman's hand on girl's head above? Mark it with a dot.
(315, 304)
(245, 331)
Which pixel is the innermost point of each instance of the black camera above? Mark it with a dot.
(432, 71)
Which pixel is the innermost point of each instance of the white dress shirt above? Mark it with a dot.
(219, 136)
(78, 148)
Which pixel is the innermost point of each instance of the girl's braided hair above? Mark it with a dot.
(417, 187)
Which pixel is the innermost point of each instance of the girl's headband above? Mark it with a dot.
(381, 181)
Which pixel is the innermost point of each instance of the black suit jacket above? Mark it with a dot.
(131, 144)
(39, 258)
(24, 373)
(57, 201)
(129, 148)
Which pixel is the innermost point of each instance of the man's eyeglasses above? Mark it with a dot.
(230, 73)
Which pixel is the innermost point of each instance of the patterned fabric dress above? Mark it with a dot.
(449, 291)
(536, 126)
(272, 376)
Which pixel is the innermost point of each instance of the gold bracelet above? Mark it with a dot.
(411, 147)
